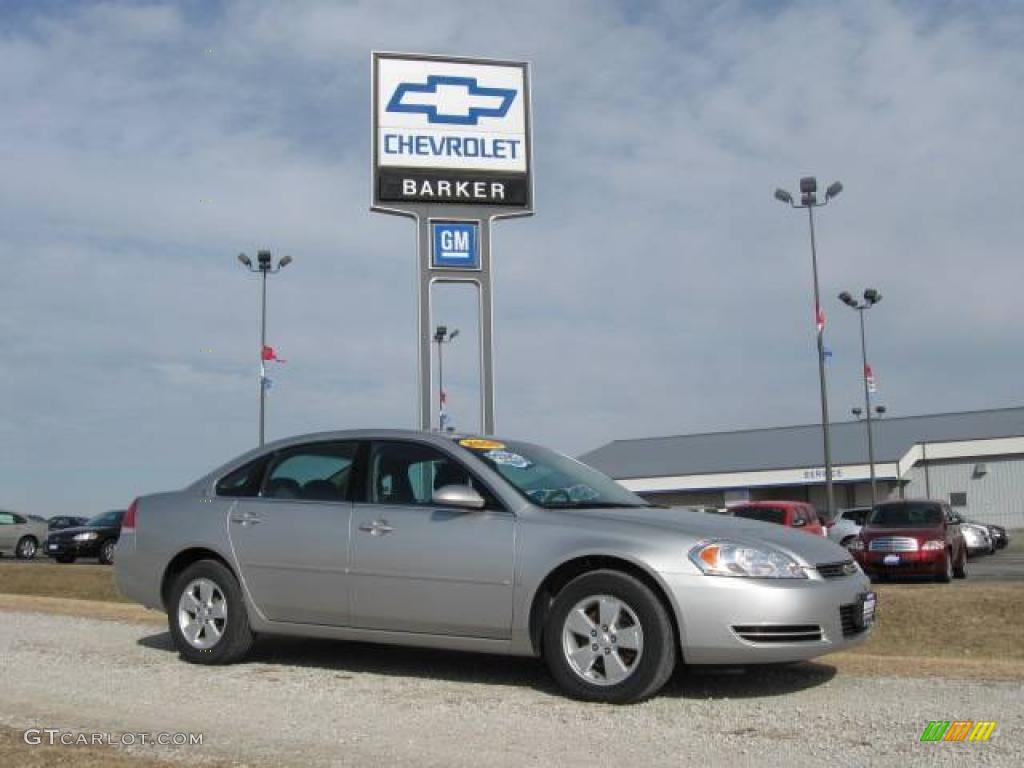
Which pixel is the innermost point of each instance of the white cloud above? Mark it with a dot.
(658, 289)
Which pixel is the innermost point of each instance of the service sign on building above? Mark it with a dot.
(450, 131)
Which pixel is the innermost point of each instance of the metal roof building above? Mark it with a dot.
(974, 459)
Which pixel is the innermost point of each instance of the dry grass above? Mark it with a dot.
(982, 621)
(77, 580)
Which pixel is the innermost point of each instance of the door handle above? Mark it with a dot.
(376, 528)
(246, 518)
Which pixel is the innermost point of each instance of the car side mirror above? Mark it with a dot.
(461, 496)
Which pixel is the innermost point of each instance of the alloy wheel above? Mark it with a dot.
(27, 550)
(202, 613)
(602, 640)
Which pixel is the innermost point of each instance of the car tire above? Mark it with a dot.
(106, 556)
(207, 616)
(65, 559)
(593, 661)
(946, 574)
(27, 548)
(960, 569)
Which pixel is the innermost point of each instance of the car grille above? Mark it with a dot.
(779, 633)
(894, 544)
(836, 570)
(848, 617)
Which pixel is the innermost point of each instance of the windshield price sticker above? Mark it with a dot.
(480, 444)
(508, 459)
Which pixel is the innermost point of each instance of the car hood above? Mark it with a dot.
(811, 549)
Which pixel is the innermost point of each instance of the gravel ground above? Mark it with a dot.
(318, 703)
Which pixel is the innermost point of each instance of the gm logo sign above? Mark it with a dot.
(455, 245)
(451, 100)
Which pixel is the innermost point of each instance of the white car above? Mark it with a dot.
(977, 538)
(845, 526)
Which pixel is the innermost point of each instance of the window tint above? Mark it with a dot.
(244, 481)
(111, 518)
(409, 473)
(316, 472)
(765, 514)
(906, 514)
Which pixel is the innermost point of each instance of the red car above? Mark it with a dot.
(913, 538)
(792, 514)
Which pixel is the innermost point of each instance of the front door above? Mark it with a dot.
(421, 567)
(291, 540)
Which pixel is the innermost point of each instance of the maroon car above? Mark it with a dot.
(911, 538)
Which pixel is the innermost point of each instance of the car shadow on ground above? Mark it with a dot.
(346, 658)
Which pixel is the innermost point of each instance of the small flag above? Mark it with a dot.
(444, 398)
(869, 377)
(267, 382)
(270, 354)
(828, 353)
(819, 318)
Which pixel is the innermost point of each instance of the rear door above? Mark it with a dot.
(291, 539)
(422, 567)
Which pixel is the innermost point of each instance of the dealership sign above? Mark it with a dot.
(450, 131)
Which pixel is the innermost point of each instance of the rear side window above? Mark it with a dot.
(775, 515)
(316, 472)
(856, 515)
(244, 481)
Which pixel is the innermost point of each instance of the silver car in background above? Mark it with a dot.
(479, 544)
(21, 535)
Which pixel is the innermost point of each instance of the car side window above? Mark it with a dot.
(409, 473)
(19, 520)
(244, 481)
(6, 518)
(312, 472)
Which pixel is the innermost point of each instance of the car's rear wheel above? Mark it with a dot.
(107, 551)
(207, 616)
(960, 569)
(609, 638)
(946, 574)
(27, 548)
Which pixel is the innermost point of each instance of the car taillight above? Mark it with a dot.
(128, 522)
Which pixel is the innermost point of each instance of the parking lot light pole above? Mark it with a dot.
(263, 268)
(809, 200)
(871, 297)
(442, 336)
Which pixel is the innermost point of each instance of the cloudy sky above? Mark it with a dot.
(659, 288)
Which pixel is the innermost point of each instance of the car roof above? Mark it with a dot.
(760, 504)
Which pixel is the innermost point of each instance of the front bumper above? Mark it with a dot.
(62, 548)
(922, 562)
(727, 620)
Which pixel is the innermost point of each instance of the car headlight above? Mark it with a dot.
(934, 544)
(728, 558)
(86, 536)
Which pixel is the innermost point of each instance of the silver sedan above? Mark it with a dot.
(480, 544)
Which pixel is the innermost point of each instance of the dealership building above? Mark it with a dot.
(973, 460)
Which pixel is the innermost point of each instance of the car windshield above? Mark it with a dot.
(765, 514)
(905, 515)
(107, 519)
(549, 479)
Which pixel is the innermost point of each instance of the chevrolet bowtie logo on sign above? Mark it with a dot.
(449, 130)
(452, 100)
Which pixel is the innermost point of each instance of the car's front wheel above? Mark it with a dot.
(207, 616)
(107, 551)
(27, 548)
(946, 574)
(609, 638)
